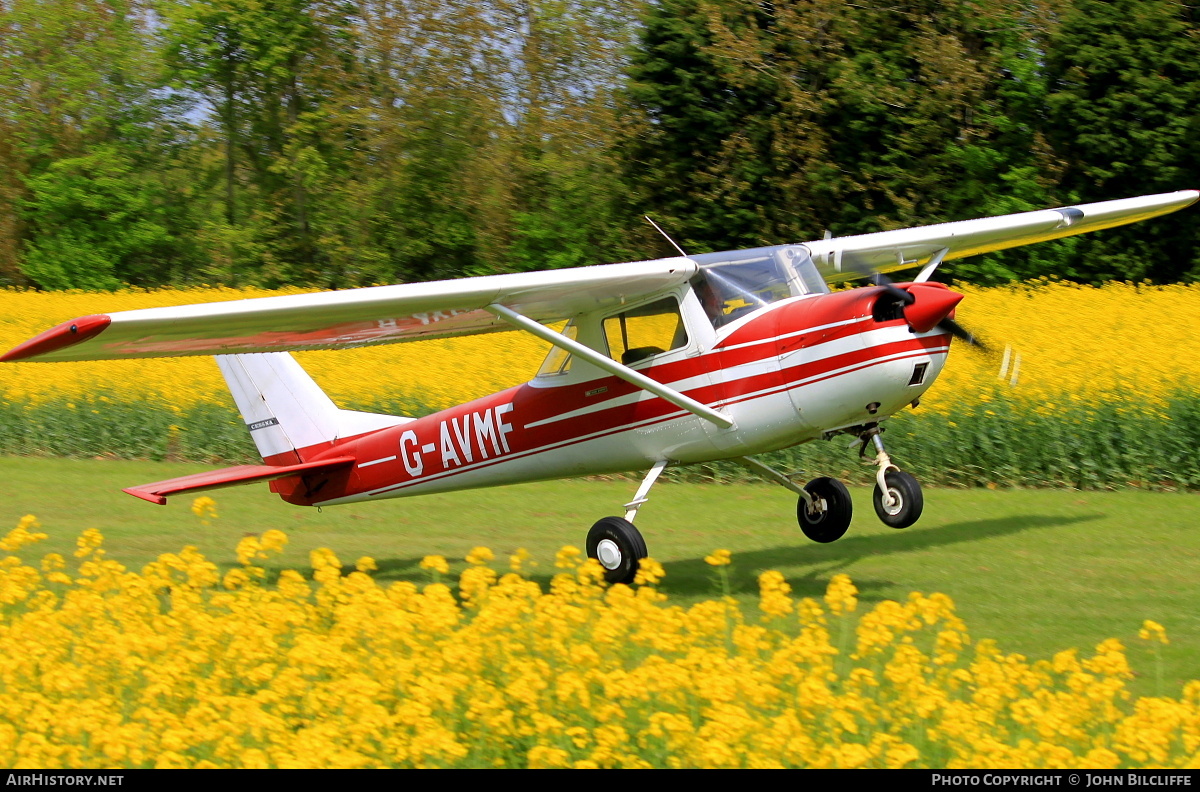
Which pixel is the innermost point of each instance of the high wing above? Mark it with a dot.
(355, 317)
(415, 311)
(843, 258)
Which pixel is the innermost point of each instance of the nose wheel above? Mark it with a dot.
(900, 504)
(897, 497)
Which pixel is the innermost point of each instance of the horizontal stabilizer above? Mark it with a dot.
(232, 476)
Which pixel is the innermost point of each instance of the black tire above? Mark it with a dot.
(830, 523)
(618, 546)
(908, 511)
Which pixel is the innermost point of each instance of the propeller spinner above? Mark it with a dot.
(928, 305)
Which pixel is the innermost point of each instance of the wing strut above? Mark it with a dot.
(929, 267)
(611, 366)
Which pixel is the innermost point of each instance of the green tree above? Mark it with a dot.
(560, 94)
(96, 224)
(76, 83)
(490, 130)
(269, 74)
(1124, 117)
(756, 122)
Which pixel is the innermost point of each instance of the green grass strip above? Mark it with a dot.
(1004, 442)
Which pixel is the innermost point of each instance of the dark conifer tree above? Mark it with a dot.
(1124, 118)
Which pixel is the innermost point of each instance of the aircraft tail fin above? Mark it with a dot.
(289, 417)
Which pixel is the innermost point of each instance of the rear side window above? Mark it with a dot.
(559, 360)
(645, 331)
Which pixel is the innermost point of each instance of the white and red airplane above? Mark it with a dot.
(667, 362)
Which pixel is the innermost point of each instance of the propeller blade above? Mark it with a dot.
(962, 334)
(901, 296)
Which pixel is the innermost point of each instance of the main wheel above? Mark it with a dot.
(833, 514)
(618, 546)
(907, 501)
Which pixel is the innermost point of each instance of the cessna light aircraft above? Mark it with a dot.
(667, 362)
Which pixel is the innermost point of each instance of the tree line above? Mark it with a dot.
(341, 143)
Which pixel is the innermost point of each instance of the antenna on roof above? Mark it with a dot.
(664, 233)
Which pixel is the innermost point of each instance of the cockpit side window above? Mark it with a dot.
(645, 331)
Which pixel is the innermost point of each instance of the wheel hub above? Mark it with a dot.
(818, 510)
(896, 502)
(608, 554)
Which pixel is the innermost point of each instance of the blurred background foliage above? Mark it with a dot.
(335, 144)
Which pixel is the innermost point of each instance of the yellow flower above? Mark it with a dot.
(649, 573)
(178, 666)
(89, 543)
(248, 549)
(25, 533)
(480, 556)
(1054, 365)
(204, 507)
(366, 564)
(543, 756)
(839, 596)
(773, 591)
(435, 563)
(1153, 631)
(273, 541)
(719, 558)
(567, 557)
(235, 579)
(516, 562)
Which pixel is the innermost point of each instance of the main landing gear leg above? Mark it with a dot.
(897, 497)
(824, 510)
(615, 542)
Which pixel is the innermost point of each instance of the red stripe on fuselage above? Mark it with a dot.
(673, 414)
(498, 427)
(533, 404)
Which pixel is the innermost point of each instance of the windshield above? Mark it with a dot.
(731, 285)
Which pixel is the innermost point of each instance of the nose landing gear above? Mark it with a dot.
(897, 496)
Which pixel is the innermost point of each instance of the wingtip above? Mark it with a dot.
(59, 337)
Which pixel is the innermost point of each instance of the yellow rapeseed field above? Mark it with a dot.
(181, 666)
(1075, 343)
